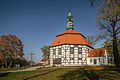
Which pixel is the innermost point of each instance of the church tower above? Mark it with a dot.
(70, 21)
(70, 48)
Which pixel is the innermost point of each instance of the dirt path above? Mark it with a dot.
(27, 69)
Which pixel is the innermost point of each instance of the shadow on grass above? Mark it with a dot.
(41, 74)
(2, 74)
(112, 68)
(80, 74)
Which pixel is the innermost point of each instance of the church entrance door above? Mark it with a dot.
(57, 61)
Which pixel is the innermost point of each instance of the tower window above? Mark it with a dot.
(71, 50)
(59, 51)
(54, 51)
(79, 50)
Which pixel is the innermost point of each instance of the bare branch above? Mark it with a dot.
(117, 29)
(104, 27)
(118, 32)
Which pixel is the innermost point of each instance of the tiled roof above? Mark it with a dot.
(97, 53)
(70, 37)
(36, 63)
(43, 60)
(69, 31)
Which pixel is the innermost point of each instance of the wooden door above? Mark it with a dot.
(57, 61)
(95, 61)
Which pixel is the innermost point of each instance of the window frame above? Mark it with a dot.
(59, 51)
(79, 58)
(54, 51)
(99, 59)
(71, 48)
(79, 48)
(90, 60)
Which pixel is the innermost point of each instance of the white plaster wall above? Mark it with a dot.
(65, 55)
(97, 58)
(98, 62)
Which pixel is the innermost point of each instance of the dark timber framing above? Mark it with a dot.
(65, 58)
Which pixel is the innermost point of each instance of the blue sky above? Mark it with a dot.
(37, 22)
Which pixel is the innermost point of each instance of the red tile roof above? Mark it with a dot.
(43, 60)
(70, 37)
(36, 63)
(97, 53)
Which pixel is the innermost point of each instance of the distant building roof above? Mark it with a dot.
(70, 37)
(43, 60)
(97, 53)
(36, 63)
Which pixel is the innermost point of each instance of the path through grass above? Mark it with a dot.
(65, 74)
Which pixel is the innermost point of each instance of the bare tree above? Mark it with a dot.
(91, 39)
(108, 20)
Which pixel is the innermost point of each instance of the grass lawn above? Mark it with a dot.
(66, 73)
(9, 69)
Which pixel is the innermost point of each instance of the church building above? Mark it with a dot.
(70, 48)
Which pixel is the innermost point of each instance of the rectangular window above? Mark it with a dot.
(103, 60)
(54, 51)
(90, 60)
(59, 51)
(99, 59)
(76, 46)
(79, 58)
(71, 50)
(79, 50)
(71, 58)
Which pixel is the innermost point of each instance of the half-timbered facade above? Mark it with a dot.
(69, 48)
(69, 55)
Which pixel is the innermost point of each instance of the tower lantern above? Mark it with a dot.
(70, 21)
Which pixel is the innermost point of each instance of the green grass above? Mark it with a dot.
(65, 74)
(9, 69)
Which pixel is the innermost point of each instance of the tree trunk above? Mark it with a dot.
(116, 52)
(6, 65)
(10, 64)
